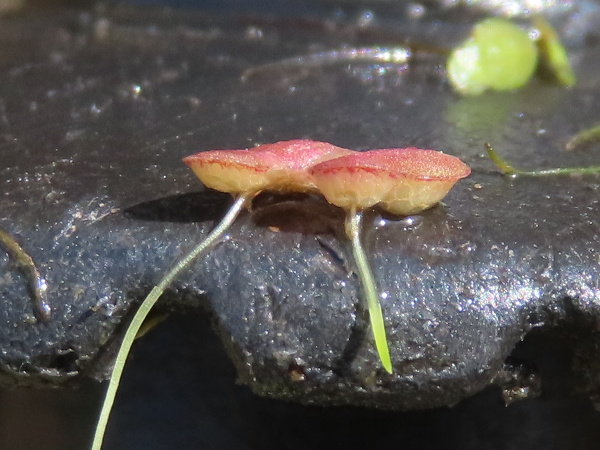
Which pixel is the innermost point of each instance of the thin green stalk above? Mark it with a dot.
(507, 169)
(584, 137)
(500, 162)
(353, 227)
(145, 308)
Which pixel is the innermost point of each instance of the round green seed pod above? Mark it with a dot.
(498, 55)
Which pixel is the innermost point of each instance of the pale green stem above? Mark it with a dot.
(584, 137)
(146, 306)
(353, 227)
(507, 169)
(394, 55)
(37, 284)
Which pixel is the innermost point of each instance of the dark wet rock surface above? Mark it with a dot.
(98, 107)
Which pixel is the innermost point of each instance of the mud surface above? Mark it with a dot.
(97, 108)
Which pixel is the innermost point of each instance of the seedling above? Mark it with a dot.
(508, 169)
(499, 55)
(401, 181)
(244, 173)
(278, 167)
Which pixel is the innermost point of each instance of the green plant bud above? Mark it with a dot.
(498, 55)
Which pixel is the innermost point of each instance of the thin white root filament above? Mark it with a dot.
(145, 308)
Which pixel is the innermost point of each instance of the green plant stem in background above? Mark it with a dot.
(507, 169)
(393, 55)
(353, 227)
(146, 306)
(37, 284)
(584, 137)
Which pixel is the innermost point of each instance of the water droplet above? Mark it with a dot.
(415, 10)
(365, 19)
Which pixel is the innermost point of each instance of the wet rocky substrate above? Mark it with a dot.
(96, 116)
